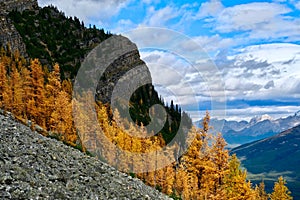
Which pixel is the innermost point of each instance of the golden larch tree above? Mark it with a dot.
(3, 84)
(235, 183)
(261, 193)
(17, 92)
(28, 90)
(36, 104)
(280, 190)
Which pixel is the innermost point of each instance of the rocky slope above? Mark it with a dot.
(35, 167)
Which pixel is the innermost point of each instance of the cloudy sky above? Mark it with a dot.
(237, 58)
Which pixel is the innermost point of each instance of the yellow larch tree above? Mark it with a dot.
(280, 190)
(53, 89)
(36, 104)
(193, 162)
(3, 84)
(235, 183)
(67, 86)
(17, 92)
(61, 119)
(28, 90)
(8, 95)
(260, 192)
(219, 167)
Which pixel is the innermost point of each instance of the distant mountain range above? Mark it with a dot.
(277, 155)
(260, 127)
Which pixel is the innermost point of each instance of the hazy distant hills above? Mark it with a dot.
(237, 133)
(267, 158)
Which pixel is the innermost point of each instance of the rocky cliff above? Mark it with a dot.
(19, 5)
(35, 167)
(9, 36)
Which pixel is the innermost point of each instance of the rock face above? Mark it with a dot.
(126, 71)
(9, 36)
(10, 39)
(113, 69)
(35, 167)
(19, 5)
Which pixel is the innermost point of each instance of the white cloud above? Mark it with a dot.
(259, 72)
(295, 3)
(169, 72)
(268, 71)
(158, 18)
(179, 80)
(88, 10)
(250, 16)
(124, 25)
(248, 113)
(211, 8)
(252, 21)
(210, 43)
(151, 1)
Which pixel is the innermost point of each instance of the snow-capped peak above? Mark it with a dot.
(266, 117)
(297, 114)
(257, 119)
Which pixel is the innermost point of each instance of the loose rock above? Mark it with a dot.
(36, 167)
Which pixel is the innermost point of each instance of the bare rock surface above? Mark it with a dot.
(35, 167)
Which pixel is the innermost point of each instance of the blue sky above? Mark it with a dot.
(254, 45)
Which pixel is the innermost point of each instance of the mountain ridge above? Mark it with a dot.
(259, 127)
(279, 154)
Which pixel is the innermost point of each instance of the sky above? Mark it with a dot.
(237, 59)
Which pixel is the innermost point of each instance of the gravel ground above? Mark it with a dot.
(35, 167)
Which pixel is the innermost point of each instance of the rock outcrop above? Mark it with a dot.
(20, 5)
(35, 167)
(124, 71)
(9, 37)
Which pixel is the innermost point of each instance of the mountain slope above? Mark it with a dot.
(279, 154)
(52, 37)
(259, 127)
(32, 166)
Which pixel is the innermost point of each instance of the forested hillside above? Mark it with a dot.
(54, 38)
